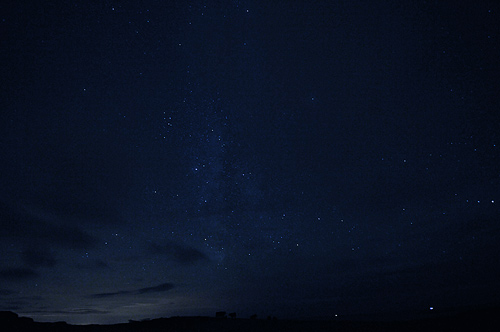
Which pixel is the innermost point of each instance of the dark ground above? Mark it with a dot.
(478, 320)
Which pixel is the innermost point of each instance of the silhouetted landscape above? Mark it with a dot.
(250, 165)
(473, 320)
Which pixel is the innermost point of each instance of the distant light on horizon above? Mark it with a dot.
(431, 308)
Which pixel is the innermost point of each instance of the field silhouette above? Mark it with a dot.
(474, 320)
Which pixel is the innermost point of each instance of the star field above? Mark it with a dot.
(295, 159)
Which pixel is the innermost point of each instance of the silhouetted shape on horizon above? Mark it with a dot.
(8, 316)
(10, 321)
(481, 319)
(25, 321)
(232, 315)
(220, 314)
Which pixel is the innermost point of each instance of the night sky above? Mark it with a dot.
(301, 159)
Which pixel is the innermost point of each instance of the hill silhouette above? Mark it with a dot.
(474, 320)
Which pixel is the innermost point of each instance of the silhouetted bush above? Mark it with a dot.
(220, 314)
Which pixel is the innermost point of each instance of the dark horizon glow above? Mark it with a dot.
(288, 158)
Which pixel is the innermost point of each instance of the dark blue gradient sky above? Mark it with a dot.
(300, 159)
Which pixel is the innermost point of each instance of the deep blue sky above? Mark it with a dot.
(292, 158)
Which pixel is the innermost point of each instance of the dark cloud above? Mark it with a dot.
(103, 295)
(77, 205)
(77, 311)
(38, 258)
(84, 311)
(19, 303)
(17, 274)
(10, 308)
(18, 222)
(178, 253)
(75, 183)
(4, 292)
(68, 236)
(155, 289)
